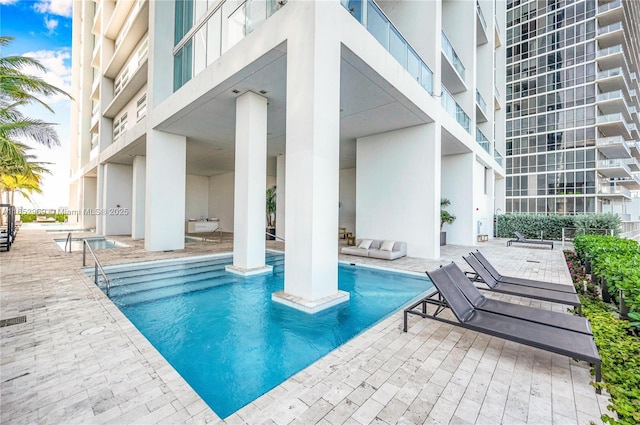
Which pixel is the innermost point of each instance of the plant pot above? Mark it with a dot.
(606, 297)
(443, 238)
(624, 308)
(271, 233)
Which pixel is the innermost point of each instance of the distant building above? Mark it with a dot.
(572, 106)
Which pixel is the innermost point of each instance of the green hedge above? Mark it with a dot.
(30, 218)
(530, 225)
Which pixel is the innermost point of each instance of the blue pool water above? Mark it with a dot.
(226, 337)
(94, 243)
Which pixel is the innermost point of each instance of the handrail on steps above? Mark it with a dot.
(68, 241)
(97, 265)
(273, 235)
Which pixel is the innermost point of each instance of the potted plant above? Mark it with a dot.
(271, 213)
(445, 218)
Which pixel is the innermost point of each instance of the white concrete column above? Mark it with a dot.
(100, 188)
(165, 191)
(280, 195)
(117, 199)
(312, 164)
(88, 202)
(249, 214)
(398, 188)
(138, 197)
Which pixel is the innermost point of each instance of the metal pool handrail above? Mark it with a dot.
(68, 241)
(97, 265)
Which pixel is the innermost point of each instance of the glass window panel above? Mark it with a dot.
(590, 205)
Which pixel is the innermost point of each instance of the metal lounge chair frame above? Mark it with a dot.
(480, 302)
(521, 290)
(556, 340)
(522, 239)
(520, 281)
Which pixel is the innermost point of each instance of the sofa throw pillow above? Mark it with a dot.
(365, 244)
(387, 245)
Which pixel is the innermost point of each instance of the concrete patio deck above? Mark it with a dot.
(77, 359)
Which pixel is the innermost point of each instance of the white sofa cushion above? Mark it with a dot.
(387, 245)
(365, 244)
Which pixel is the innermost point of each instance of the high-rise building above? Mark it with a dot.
(362, 114)
(572, 106)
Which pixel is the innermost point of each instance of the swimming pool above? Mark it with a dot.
(226, 337)
(94, 243)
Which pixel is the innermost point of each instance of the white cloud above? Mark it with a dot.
(54, 7)
(57, 70)
(51, 24)
(8, 2)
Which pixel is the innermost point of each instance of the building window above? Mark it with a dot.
(141, 107)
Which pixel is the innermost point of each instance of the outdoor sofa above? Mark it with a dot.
(377, 248)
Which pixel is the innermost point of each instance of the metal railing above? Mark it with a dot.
(569, 233)
(453, 57)
(97, 267)
(68, 242)
(273, 235)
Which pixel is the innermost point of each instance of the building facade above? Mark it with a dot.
(572, 106)
(362, 114)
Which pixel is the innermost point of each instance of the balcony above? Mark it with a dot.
(633, 164)
(610, 57)
(611, 79)
(131, 79)
(380, 26)
(497, 33)
(482, 140)
(631, 183)
(498, 157)
(134, 28)
(497, 101)
(481, 26)
(481, 108)
(614, 125)
(613, 147)
(612, 102)
(613, 168)
(118, 18)
(613, 191)
(452, 107)
(609, 13)
(453, 71)
(97, 20)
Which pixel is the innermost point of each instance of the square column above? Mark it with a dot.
(165, 191)
(137, 208)
(249, 209)
(88, 202)
(458, 181)
(117, 199)
(312, 163)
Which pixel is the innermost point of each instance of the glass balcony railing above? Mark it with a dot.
(94, 140)
(603, 119)
(496, 93)
(609, 51)
(610, 28)
(376, 22)
(481, 16)
(483, 141)
(200, 46)
(632, 163)
(481, 103)
(609, 141)
(613, 163)
(608, 6)
(613, 190)
(452, 107)
(451, 54)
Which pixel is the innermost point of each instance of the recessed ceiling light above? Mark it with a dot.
(235, 91)
(263, 92)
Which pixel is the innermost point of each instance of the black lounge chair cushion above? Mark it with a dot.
(520, 290)
(530, 314)
(520, 281)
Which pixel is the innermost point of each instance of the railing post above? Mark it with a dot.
(563, 237)
(95, 274)
(84, 253)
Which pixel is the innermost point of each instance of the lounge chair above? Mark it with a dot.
(522, 239)
(545, 317)
(521, 281)
(521, 290)
(556, 340)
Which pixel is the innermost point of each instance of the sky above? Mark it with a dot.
(42, 30)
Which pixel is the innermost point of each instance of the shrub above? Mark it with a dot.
(531, 225)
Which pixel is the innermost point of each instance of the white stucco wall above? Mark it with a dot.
(458, 187)
(347, 213)
(397, 188)
(221, 199)
(197, 197)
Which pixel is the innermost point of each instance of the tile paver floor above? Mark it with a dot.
(77, 359)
